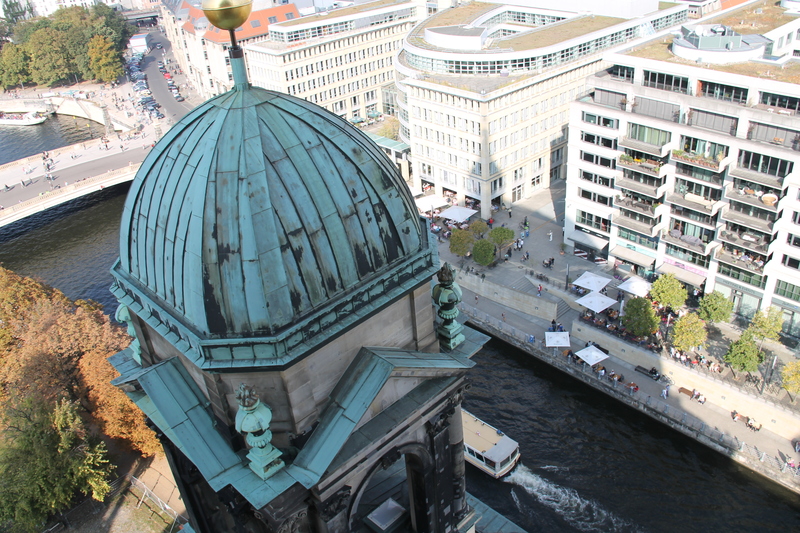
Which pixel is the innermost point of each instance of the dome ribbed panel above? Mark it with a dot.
(258, 209)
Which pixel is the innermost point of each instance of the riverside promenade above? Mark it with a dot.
(503, 301)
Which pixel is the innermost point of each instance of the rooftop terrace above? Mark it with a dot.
(557, 33)
(747, 21)
(660, 51)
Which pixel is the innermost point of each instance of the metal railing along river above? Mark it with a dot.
(690, 425)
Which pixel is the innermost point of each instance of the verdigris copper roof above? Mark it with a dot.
(259, 209)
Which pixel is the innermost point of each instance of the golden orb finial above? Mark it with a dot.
(227, 14)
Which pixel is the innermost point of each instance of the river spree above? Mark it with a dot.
(18, 142)
(588, 462)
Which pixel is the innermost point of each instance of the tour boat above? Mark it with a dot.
(21, 119)
(487, 447)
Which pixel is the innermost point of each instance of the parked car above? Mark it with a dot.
(179, 98)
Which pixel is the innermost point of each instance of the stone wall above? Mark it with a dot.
(772, 416)
(508, 297)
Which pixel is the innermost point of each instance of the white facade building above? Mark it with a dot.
(681, 167)
(484, 90)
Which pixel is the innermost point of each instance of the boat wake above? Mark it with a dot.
(554, 468)
(581, 514)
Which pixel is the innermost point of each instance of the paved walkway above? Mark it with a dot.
(545, 211)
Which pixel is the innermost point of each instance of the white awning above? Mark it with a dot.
(589, 240)
(636, 286)
(695, 280)
(426, 203)
(592, 355)
(553, 339)
(415, 191)
(632, 256)
(591, 281)
(457, 213)
(596, 302)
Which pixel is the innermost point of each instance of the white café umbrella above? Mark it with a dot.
(553, 339)
(592, 355)
(596, 302)
(636, 286)
(457, 213)
(590, 281)
(426, 203)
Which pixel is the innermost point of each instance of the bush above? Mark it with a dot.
(483, 252)
(639, 318)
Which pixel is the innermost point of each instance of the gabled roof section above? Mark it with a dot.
(172, 400)
(352, 396)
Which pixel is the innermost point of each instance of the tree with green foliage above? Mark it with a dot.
(689, 331)
(14, 63)
(461, 242)
(479, 228)
(715, 307)
(103, 59)
(639, 318)
(669, 292)
(743, 354)
(790, 376)
(483, 252)
(766, 325)
(501, 237)
(390, 128)
(47, 456)
(50, 63)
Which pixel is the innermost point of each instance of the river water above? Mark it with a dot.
(18, 142)
(588, 463)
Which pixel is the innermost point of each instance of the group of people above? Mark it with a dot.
(555, 326)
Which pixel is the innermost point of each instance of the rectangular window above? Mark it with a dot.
(793, 240)
(594, 197)
(599, 120)
(596, 139)
(764, 164)
(791, 262)
(594, 221)
(620, 72)
(727, 93)
(598, 160)
(497, 185)
(787, 290)
(666, 82)
(744, 276)
(272, 20)
(638, 238)
(648, 135)
(686, 255)
(594, 178)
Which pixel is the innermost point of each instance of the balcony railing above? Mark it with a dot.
(696, 160)
(764, 226)
(633, 205)
(639, 226)
(741, 260)
(649, 167)
(642, 146)
(769, 180)
(745, 240)
(693, 202)
(768, 201)
(688, 242)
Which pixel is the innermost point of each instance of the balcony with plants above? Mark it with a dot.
(633, 201)
(741, 258)
(696, 196)
(699, 160)
(642, 162)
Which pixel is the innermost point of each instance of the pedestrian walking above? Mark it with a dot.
(476, 299)
(483, 277)
(525, 221)
(664, 394)
(503, 316)
(550, 235)
(539, 289)
(509, 212)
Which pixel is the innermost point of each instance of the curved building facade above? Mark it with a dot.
(484, 91)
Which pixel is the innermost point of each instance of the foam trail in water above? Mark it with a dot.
(554, 468)
(583, 515)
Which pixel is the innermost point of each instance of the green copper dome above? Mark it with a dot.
(258, 210)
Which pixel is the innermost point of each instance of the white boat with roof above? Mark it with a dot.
(488, 448)
(22, 119)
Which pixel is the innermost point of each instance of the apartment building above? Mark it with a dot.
(484, 90)
(201, 49)
(682, 160)
(342, 60)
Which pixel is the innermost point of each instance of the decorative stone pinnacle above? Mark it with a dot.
(246, 396)
(252, 421)
(447, 295)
